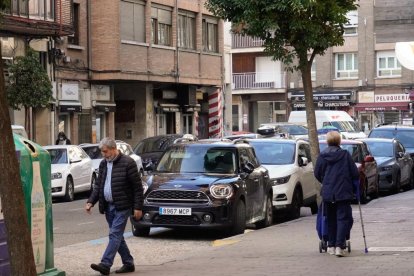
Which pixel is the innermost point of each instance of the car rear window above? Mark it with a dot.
(406, 137)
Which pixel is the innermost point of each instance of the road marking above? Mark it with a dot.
(392, 249)
(217, 243)
(89, 222)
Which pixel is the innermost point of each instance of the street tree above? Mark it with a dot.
(294, 32)
(11, 191)
(29, 85)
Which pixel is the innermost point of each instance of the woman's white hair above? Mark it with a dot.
(108, 142)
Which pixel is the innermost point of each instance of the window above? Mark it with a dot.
(161, 26)
(352, 27)
(133, 21)
(36, 9)
(210, 35)
(235, 117)
(74, 38)
(186, 30)
(388, 65)
(346, 65)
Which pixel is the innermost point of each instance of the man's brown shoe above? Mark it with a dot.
(104, 270)
(126, 269)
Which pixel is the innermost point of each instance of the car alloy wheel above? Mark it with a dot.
(70, 190)
(267, 221)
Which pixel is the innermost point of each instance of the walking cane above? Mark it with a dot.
(360, 215)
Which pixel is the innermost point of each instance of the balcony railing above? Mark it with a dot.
(38, 18)
(259, 80)
(242, 41)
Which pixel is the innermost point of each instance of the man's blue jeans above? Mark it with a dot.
(117, 221)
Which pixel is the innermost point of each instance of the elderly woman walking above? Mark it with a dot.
(336, 170)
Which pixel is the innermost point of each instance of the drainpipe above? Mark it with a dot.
(177, 56)
(89, 54)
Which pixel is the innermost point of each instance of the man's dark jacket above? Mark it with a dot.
(126, 185)
(336, 170)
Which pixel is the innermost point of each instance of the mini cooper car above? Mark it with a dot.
(208, 185)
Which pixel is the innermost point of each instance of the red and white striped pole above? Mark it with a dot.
(215, 114)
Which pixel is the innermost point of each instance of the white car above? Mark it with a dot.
(290, 172)
(95, 154)
(72, 171)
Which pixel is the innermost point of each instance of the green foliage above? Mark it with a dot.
(4, 4)
(29, 84)
(290, 28)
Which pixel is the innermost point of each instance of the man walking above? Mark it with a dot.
(119, 191)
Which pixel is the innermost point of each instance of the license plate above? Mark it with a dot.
(175, 211)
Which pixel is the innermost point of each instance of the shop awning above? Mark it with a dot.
(381, 106)
(104, 106)
(70, 106)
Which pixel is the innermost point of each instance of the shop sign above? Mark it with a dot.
(70, 92)
(366, 97)
(333, 104)
(299, 105)
(101, 92)
(385, 98)
(324, 97)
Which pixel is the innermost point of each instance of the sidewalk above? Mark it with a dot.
(292, 248)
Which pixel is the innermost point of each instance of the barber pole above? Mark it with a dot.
(215, 114)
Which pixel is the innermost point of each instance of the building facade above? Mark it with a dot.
(258, 84)
(364, 77)
(135, 69)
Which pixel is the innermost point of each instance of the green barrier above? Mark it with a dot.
(35, 173)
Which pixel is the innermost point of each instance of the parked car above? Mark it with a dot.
(206, 185)
(243, 135)
(367, 167)
(150, 149)
(395, 165)
(95, 154)
(404, 134)
(291, 174)
(72, 171)
(289, 130)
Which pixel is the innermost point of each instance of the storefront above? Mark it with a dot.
(103, 111)
(69, 107)
(323, 100)
(375, 109)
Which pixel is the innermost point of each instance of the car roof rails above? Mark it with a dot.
(182, 140)
(241, 141)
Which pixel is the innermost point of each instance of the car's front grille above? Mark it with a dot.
(176, 220)
(177, 196)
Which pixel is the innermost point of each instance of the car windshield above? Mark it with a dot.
(93, 152)
(274, 153)
(344, 126)
(381, 149)
(198, 159)
(58, 156)
(353, 149)
(294, 130)
(154, 144)
(406, 137)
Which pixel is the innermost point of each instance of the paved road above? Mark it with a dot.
(289, 248)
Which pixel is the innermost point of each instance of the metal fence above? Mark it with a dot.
(242, 41)
(259, 80)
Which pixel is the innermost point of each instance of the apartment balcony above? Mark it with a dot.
(259, 80)
(242, 41)
(38, 18)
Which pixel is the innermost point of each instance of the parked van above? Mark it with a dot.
(336, 118)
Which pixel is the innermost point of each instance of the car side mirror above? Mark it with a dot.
(369, 158)
(303, 161)
(75, 160)
(248, 168)
(400, 154)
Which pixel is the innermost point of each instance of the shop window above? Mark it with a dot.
(346, 65)
(161, 26)
(133, 21)
(186, 30)
(388, 65)
(210, 35)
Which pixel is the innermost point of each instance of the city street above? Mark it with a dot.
(289, 248)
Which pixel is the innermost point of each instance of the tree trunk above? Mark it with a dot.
(310, 112)
(11, 192)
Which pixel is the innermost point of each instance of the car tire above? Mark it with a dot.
(314, 208)
(93, 181)
(267, 221)
(140, 231)
(410, 184)
(397, 186)
(70, 190)
(239, 218)
(296, 204)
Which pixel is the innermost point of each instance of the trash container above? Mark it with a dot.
(35, 177)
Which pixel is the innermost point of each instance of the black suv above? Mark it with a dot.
(404, 134)
(209, 185)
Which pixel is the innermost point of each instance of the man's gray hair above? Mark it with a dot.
(108, 142)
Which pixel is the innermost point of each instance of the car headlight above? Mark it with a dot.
(56, 175)
(144, 187)
(387, 168)
(280, 180)
(221, 191)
